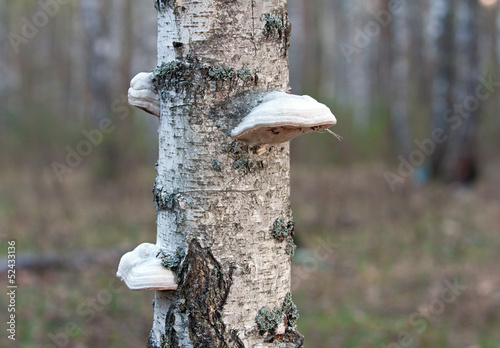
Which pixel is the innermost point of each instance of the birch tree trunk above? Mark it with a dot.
(217, 200)
(360, 74)
(441, 12)
(400, 78)
(459, 162)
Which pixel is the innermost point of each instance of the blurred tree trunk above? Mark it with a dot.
(97, 49)
(455, 160)
(78, 96)
(496, 64)
(329, 54)
(216, 199)
(299, 45)
(417, 50)
(459, 162)
(441, 92)
(360, 74)
(400, 79)
(4, 70)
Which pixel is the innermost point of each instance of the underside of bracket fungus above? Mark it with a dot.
(141, 269)
(143, 94)
(281, 117)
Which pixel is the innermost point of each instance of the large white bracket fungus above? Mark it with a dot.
(141, 269)
(143, 94)
(281, 117)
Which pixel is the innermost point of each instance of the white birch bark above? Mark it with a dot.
(217, 199)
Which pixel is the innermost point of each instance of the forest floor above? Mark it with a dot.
(414, 268)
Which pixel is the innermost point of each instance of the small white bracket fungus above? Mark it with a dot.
(143, 94)
(140, 269)
(281, 117)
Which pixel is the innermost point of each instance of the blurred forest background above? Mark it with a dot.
(386, 220)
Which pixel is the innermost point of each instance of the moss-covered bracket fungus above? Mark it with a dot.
(280, 117)
(144, 269)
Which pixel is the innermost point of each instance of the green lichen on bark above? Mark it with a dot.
(163, 200)
(290, 311)
(290, 247)
(241, 163)
(216, 164)
(171, 74)
(221, 73)
(174, 260)
(273, 25)
(235, 147)
(267, 320)
(282, 229)
(244, 73)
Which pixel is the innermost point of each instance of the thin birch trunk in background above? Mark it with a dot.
(400, 80)
(329, 53)
(4, 71)
(78, 68)
(441, 27)
(459, 162)
(360, 74)
(216, 199)
(498, 51)
(298, 45)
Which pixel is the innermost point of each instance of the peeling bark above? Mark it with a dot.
(217, 198)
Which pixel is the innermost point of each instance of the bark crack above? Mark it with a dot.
(203, 289)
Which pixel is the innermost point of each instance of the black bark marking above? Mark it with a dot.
(169, 339)
(205, 286)
(163, 199)
(235, 340)
(151, 342)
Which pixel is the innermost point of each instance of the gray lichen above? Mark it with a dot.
(267, 320)
(163, 200)
(216, 164)
(244, 73)
(235, 147)
(282, 229)
(240, 163)
(173, 261)
(290, 311)
(221, 73)
(273, 24)
(290, 247)
(171, 74)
